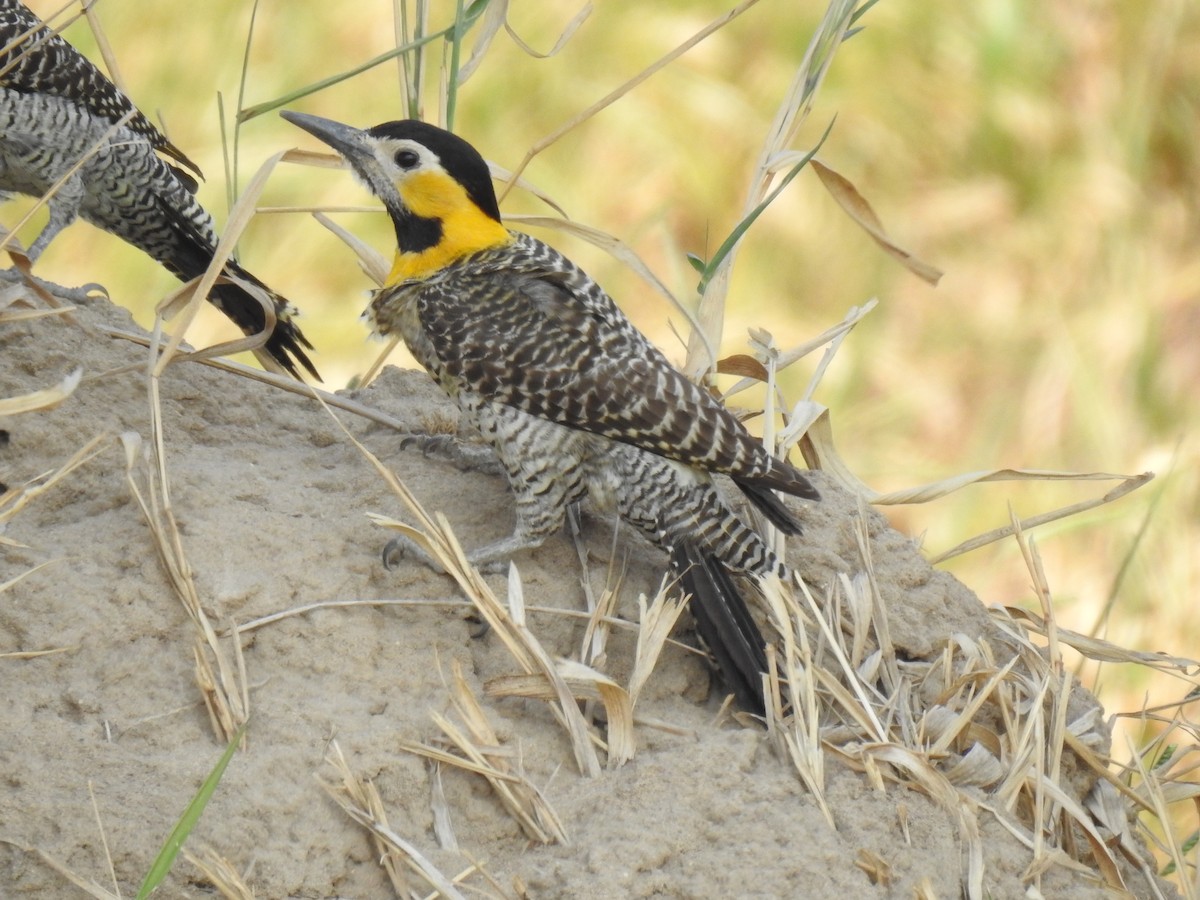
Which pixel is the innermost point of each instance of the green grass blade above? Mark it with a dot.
(456, 39)
(860, 12)
(472, 12)
(736, 235)
(191, 815)
(231, 165)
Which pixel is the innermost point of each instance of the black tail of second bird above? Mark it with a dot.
(724, 624)
(192, 252)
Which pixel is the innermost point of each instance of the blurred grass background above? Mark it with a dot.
(1043, 155)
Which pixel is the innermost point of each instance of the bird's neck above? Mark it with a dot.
(440, 225)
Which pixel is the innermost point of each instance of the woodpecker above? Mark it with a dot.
(58, 112)
(574, 400)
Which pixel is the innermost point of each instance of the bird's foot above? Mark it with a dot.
(401, 547)
(77, 295)
(468, 457)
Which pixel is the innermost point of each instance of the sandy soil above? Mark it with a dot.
(271, 498)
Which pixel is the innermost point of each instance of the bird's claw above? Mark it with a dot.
(401, 546)
(468, 457)
(428, 444)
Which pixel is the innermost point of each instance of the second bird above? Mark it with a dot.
(572, 397)
(65, 126)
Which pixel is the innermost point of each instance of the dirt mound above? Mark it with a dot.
(270, 499)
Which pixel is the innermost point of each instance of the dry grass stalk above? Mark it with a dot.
(276, 381)
(443, 827)
(617, 249)
(593, 649)
(11, 317)
(584, 683)
(790, 116)
(16, 499)
(360, 800)
(619, 92)
(48, 21)
(223, 875)
(858, 209)
(374, 265)
(496, 16)
(253, 624)
(435, 538)
(478, 750)
(820, 452)
(877, 869)
(105, 48)
(796, 727)
(112, 870)
(1105, 651)
(32, 654)
(1155, 788)
(15, 305)
(57, 298)
(220, 672)
(88, 886)
(657, 621)
(955, 725)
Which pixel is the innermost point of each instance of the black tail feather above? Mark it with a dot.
(191, 255)
(769, 505)
(287, 342)
(760, 490)
(724, 624)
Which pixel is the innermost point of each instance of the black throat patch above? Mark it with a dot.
(414, 233)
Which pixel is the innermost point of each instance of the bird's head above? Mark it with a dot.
(435, 186)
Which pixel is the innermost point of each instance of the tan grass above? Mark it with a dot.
(1002, 728)
(87, 886)
(789, 118)
(479, 750)
(47, 398)
(855, 205)
(220, 667)
(617, 93)
(435, 538)
(222, 874)
(656, 621)
(360, 800)
(16, 499)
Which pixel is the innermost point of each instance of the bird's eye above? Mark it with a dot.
(407, 159)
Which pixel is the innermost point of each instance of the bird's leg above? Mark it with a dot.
(64, 209)
(541, 511)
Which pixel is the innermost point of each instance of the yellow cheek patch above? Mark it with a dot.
(432, 195)
(465, 227)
